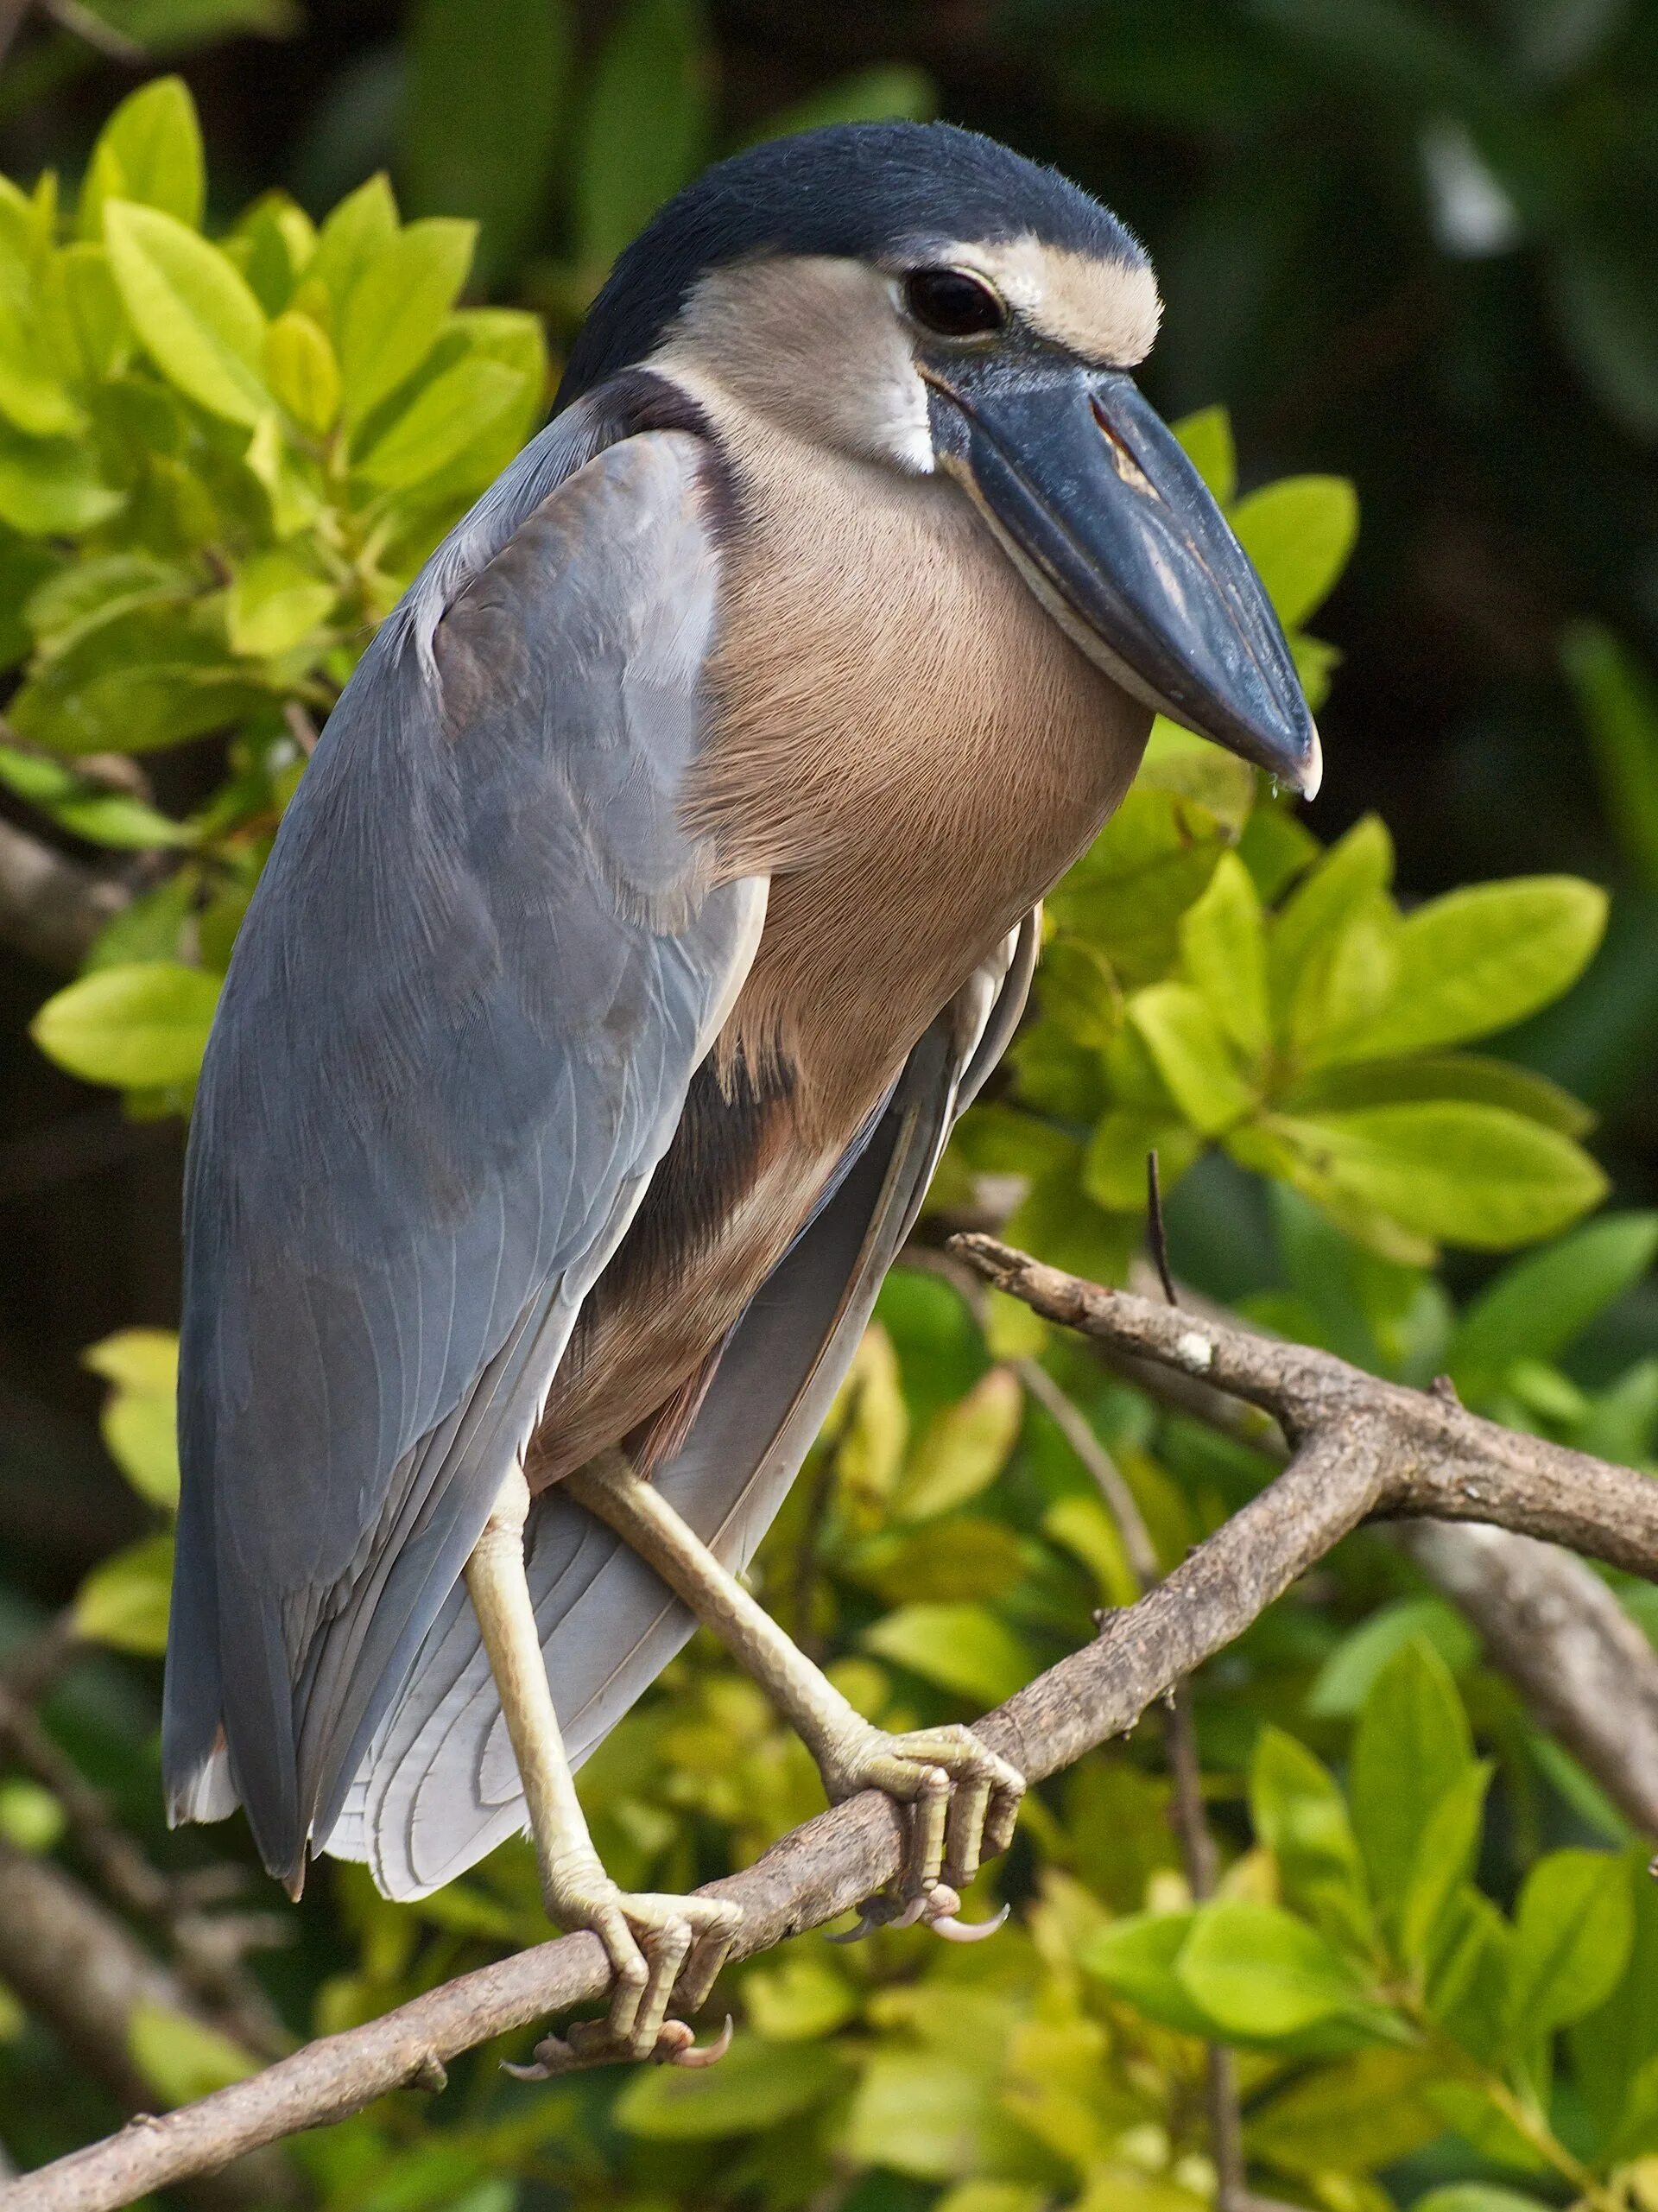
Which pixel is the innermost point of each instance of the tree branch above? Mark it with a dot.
(1362, 1448)
(51, 908)
(79, 1970)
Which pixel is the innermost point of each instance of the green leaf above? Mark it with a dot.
(81, 293)
(396, 308)
(965, 1558)
(139, 1421)
(1473, 1174)
(93, 590)
(150, 929)
(1477, 2197)
(1468, 1977)
(1349, 2118)
(33, 395)
(180, 2058)
(441, 421)
(364, 222)
(1206, 438)
(963, 1648)
(1192, 1055)
(645, 127)
(301, 370)
(148, 152)
(1356, 868)
(23, 568)
(1081, 1523)
(1573, 1928)
(192, 308)
(1619, 705)
(151, 676)
(1301, 1817)
(273, 241)
(963, 1448)
(124, 1601)
(482, 110)
(934, 2114)
(139, 1027)
(1470, 1076)
(1224, 949)
(275, 604)
(1444, 1857)
(1260, 1975)
(1344, 983)
(1539, 1306)
(1136, 1959)
(1617, 2042)
(142, 1360)
(1480, 959)
(1412, 1748)
(1299, 533)
(772, 2081)
(1345, 1679)
(50, 487)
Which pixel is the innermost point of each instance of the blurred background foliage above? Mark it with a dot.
(281, 316)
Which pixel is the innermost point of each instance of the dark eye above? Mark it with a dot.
(953, 303)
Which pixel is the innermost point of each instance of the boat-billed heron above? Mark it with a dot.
(664, 886)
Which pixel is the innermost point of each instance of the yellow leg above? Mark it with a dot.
(654, 1942)
(965, 1800)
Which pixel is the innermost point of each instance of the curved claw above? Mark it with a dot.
(963, 1931)
(927, 1907)
(683, 2050)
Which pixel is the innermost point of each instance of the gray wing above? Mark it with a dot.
(439, 1787)
(480, 969)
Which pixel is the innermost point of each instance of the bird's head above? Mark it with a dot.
(924, 299)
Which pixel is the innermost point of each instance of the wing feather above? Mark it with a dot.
(454, 1043)
(439, 1787)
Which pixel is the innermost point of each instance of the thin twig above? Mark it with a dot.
(1157, 1235)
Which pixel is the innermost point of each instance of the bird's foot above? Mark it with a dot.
(963, 1800)
(660, 1949)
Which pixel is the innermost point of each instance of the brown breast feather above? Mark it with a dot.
(915, 753)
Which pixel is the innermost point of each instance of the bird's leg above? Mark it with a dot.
(653, 1941)
(962, 1799)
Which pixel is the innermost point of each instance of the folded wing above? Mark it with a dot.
(480, 969)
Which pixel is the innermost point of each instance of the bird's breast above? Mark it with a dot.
(909, 747)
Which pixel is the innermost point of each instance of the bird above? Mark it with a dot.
(665, 884)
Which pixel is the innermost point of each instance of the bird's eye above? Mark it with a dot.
(953, 303)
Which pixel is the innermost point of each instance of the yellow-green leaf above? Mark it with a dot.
(1299, 533)
(1192, 1055)
(301, 370)
(50, 487)
(275, 604)
(1223, 949)
(1473, 1174)
(137, 1027)
(149, 151)
(964, 1648)
(179, 2058)
(396, 307)
(193, 311)
(441, 421)
(124, 1601)
(963, 1448)
(1482, 959)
